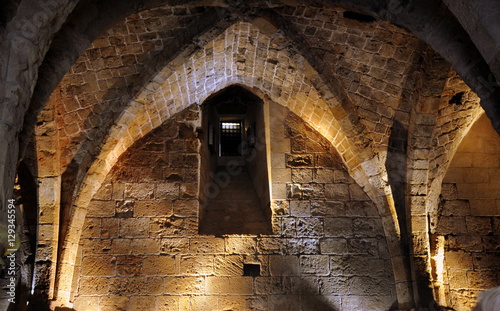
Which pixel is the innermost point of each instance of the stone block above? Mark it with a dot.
(96, 246)
(158, 265)
(341, 176)
(272, 285)
(109, 227)
(327, 208)
(367, 227)
(91, 228)
(361, 209)
(281, 174)
(460, 257)
(280, 145)
(118, 191)
(313, 191)
(153, 208)
(314, 264)
(477, 174)
(186, 208)
(279, 191)
(337, 192)
(174, 245)
(142, 303)
(124, 208)
(275, 246)
(144, 246)
(364, 245)
(188, 191)
(480, 279)
(87, 303)
(47, 214)
(349, 265)
(486, 207)
(184, 285)
(101, 209)
(300, 208)
(104, 193)
(299, 160)
(280, 207)
(197, 265)
(333, 246)
(121, 246)
(309, 227)
(93, 286)
(162, 227)
(457, 278)
(451, 225)
(463, 299)
(167, 191)
(173, 175)
(361, 285)
(288, 226)
(284, 265)
(229, 265)
(283, 302)
(367, 302)
(45, 252)
(467, 191)
(139, 191)
(128, 265)
(184, 160)
(301, 175)
(338, 227)
(168, 303)
(229, 285)
(134, 227)
(198, 303)
(138, 285)
(455, 175)
(241, 245)
(324, 175)
(206, 245)
(278, 160)
(487, 261)
(357, 193)
(328, 160)
(304, 286)
(456, 208)
(337, 285)
(99, 266)
(478, 225)
(307, 246)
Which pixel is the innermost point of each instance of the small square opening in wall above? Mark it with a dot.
(251, 270)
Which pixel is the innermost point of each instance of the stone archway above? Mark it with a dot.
(196, 80)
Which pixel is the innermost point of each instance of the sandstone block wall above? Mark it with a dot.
(141, 249)
(468, 219)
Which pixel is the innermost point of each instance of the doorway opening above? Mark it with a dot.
(234, 183)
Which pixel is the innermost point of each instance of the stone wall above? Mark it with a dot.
(141, 249)
(468, 229)
(372, 59)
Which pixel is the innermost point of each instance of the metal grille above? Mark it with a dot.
(230, 138)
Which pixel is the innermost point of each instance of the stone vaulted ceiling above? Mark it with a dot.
(394, 87)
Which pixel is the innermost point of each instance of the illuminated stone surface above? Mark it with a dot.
(383, 168)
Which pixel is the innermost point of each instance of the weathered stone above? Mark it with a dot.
(301, 160)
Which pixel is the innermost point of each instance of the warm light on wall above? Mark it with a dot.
(439, 261)
(439, 270)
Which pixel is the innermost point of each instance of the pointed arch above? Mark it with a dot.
(241, 55)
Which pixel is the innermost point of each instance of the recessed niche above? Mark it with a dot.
(234, 182)
(251, 269)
